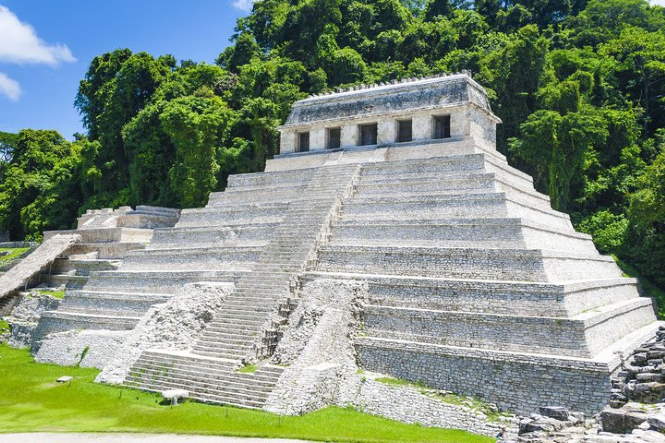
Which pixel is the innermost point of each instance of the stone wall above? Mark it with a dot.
(409, 405)
(25, 315)
(515, 382)
(322, 369)
(86, 348)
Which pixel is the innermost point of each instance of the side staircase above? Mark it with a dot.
(250, 322)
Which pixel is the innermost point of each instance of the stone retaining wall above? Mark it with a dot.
(514, 382)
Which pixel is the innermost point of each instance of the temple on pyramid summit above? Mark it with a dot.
(389, 236)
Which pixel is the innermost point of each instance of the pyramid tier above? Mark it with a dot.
(529, 299)
(516, 381)
(220, 258)
(468, 263)
(584, 335)
(255, 234)
(510, 233)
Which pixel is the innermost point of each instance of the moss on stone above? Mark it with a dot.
(12, 254)
(248, 369)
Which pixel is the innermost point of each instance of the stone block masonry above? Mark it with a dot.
(471, 282)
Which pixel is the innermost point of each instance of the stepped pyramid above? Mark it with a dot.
(475, 284)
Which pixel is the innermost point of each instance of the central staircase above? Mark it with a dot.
(249, 325)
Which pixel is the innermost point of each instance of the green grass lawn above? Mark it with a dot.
(58, 293)
(31, 401)
(13, 253)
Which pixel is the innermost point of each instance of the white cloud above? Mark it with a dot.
(245, 5)
(20, 43)
(658, 2)
(9, 87)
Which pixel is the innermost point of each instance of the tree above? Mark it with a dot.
(197, 126)
(513, 72)
(438, 8)
(37, 191)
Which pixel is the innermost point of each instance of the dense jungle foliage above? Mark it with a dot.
(580, 86)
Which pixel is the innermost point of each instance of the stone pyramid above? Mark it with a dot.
(475, 284)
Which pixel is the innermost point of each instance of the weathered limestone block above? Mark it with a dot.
(86, 348)
(318, 345)
(25, 315)
(172, 325)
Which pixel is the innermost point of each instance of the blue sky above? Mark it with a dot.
(46, 46)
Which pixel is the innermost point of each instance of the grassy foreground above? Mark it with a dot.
(31, 401)
(12, 253)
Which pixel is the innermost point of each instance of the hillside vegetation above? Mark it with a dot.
(580, 86)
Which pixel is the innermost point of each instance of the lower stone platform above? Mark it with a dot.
(519, 382)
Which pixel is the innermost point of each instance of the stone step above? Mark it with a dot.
(451, 163)
(229, 378)
(109, 235)
(81, 266)
(491, 233)
(399, 185)
(457, 205)
(491, 297)
(397, 232)
(479, 205)
(265, 179)
(262, 294)
(264, 376)
(293, 196)
(447, 164)
(414, 177)
(208, 399)
(471, 263)
(503, 169)
(266, 294)
(154, 281)
(59, 321)
(100, 311)
(226, 329)
(234, 339)
(120, 302)
(434, 189)
(313, 188)
(205, 390)
(575, 337)
(238, 355)
(185, 358)
(228, 217)
(240, 346)
(192, 258)
(238, 314)
(259, 303)
(227, 324)
(254, 234)
(105, 250)
(64, 280)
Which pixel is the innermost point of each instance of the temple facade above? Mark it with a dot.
(388, 235)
